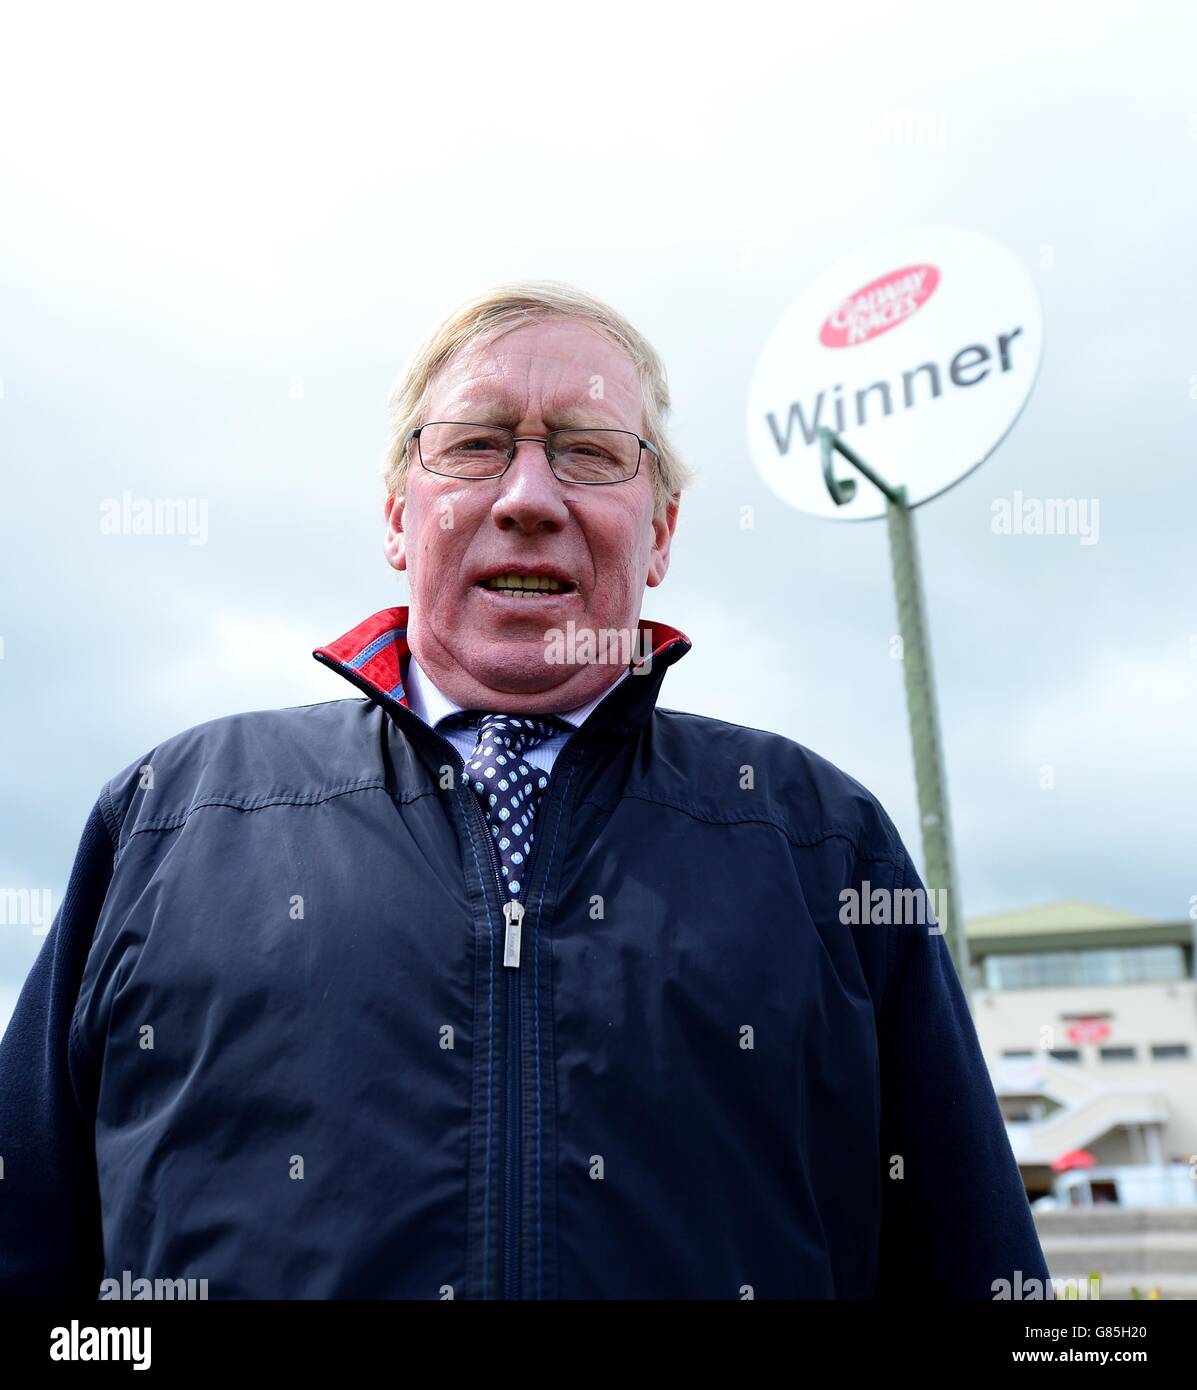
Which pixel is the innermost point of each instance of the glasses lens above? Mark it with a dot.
(594, 456)
(465, 451)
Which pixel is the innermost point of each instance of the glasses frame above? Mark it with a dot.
(516, 440)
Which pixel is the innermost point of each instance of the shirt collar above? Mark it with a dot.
(374, 656)
(427, 700)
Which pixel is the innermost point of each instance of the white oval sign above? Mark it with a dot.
(919, 351)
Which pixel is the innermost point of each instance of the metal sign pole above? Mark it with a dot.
(931, 783)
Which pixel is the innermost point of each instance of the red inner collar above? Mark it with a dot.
(377, 651)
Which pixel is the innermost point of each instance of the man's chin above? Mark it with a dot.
(518, 665)
(550, 660)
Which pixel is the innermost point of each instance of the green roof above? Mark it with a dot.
(1070, 923)
(1069, 914)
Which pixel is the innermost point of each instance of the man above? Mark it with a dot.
(503, 981)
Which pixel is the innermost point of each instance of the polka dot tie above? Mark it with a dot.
(508, 789)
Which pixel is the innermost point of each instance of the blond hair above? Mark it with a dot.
(488, 316)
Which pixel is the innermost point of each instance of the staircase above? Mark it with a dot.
(1088, 1109)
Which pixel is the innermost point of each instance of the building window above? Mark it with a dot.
(1017, 1054)
(1117, 1054)
(1122, 966)
(1066, 1054)
(1165, 1051)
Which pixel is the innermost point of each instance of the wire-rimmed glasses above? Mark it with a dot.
(593, 457)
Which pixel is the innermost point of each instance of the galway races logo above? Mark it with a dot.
(880, 306)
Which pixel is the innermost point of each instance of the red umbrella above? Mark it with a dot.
(1074, 1158)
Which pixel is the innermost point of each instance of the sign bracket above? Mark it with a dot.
(930, 778)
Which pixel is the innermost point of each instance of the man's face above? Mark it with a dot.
(487, 650)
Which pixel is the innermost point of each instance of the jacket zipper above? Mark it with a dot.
(513, 917)
(513, 914)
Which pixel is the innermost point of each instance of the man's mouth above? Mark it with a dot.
(527, 585)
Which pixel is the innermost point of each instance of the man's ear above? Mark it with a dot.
(663, 527)
(394, 544)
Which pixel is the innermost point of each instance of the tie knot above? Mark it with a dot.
(515, 732)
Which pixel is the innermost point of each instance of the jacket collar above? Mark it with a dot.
(374, 656)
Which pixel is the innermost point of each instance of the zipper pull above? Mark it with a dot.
(513, 914)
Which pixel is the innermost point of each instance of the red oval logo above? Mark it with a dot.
(1089, 1030)
(882, 304)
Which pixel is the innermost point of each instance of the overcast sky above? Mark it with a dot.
(222, 237)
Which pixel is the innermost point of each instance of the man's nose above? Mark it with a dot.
(529, 492)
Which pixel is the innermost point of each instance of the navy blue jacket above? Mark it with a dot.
(270, 1041)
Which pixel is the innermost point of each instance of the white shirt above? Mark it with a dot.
(432, 705)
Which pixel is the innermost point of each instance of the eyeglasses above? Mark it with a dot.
(457, 449)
